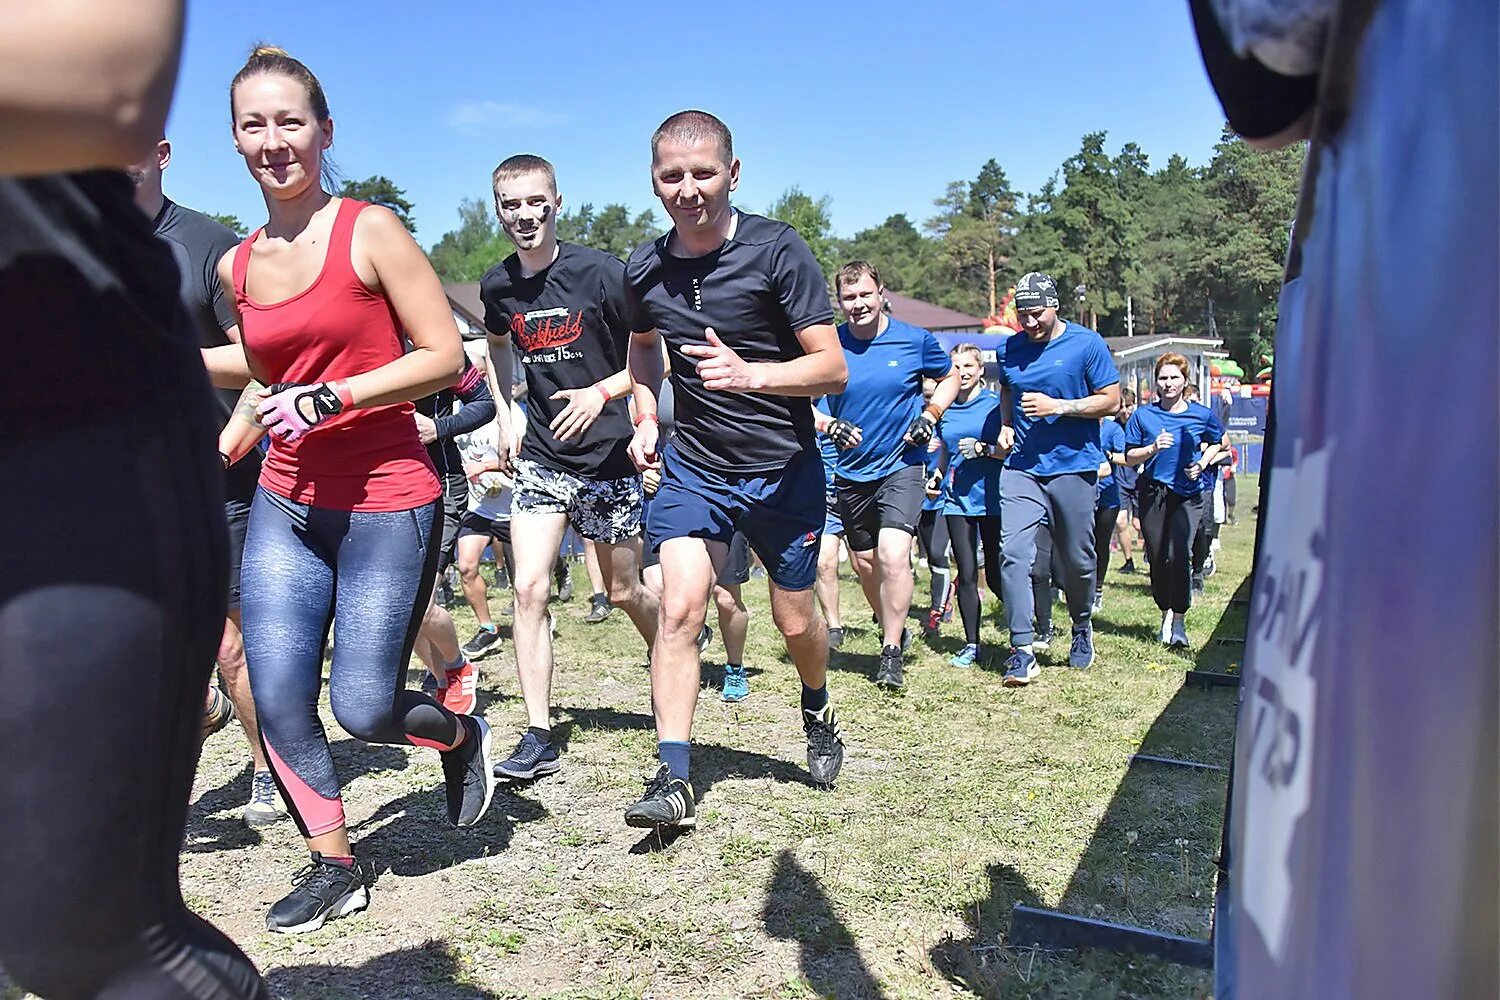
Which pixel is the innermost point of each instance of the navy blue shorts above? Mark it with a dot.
(780, 512)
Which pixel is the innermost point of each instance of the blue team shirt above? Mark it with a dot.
(1111, 439)
(1125, 475)
(973, 484)
(1073, 365)
(884, 396)
(1192, 428)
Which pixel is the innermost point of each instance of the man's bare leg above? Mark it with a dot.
(619, 564)
(688, 568)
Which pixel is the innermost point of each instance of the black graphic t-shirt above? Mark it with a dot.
(757, 291)
(568, 326)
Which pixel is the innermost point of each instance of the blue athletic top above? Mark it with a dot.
(1193, 427)
(1072, 365)
(973, 484)
(884, 396)
(1111, 439)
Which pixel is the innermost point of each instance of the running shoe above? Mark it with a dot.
(484, 643)
(1165, 633)
(264, 807)
(1179, 637)
(668, 802)
(736, 683)
(1043, 638)
(967, 657)
(705, 639)
(1129, 566)
(948, 614)
(835, 637)
(530, 759)
(218, 711)
(599, 609)
(1021, 669)
(565, 589)
(460, 696)
(1098, 600)
(1081, 653)
(1209, 566)
(1197, 583)
(933, 625)
(906, 638)
(430, 686)
(890, 674)
(825, 746)
(468, 774)
(321, 891)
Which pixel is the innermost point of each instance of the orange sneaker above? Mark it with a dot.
(460, 696)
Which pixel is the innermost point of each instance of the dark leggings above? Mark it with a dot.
(1169, 523)
(932, 537)
(99, 732)
(963, 533)
(1104, 529)
(370, 572)
(1045, 573)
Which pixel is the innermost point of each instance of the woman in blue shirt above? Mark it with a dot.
(932, 529)
(971, 495)
(1175, 440)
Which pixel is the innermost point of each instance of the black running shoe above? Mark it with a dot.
(565, 589)
(705, 639)
(835, 638)
(825, 747)
(599, 609)
(531, 759)
(668, 802)
(906, 638)
(889, 674)
(1197, 583)
(1129, 566)
(321, 891)
(468, 774)
(483, 644)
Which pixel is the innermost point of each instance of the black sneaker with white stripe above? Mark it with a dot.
(322, 891)
(668, 802)
(483, 644)
(468, 774)
(825, 745)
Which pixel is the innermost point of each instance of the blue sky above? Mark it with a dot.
(877, 106)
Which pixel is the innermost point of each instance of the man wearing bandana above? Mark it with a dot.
(1057, 380)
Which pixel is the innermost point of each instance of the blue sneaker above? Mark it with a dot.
(1020, 669)
(966, 657)
(1081, 655)
(531, 759)
(736, 683)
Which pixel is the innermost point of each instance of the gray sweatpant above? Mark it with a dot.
(1067, 502)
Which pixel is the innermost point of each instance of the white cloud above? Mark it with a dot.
(477, 118)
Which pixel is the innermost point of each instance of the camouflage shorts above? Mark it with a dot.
(603, 510)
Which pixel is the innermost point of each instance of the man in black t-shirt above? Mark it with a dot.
(749, 330)
(197, 244)
(564, 306)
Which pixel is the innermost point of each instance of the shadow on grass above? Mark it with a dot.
(431, 971)
(208, 833)
(978, 962)
(798, 909)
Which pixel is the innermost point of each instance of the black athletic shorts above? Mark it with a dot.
(237, 513)
(455, 502)
(1128, 501)
(478, 524)
(892, 502)
(736, 570)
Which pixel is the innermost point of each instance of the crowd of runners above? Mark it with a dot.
(690, 412)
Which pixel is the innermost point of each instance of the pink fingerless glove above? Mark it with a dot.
(292, 410)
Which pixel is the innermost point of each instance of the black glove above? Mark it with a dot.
(841, 433)
(920, 431)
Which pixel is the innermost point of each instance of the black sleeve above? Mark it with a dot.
(223, 308)
(478, 409)
(1257, 101)
(496, 319)
(799, 283)
(616, 306)
(637, 316)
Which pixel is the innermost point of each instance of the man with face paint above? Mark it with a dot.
(564, 305)
(749, 330)
(1057, 380)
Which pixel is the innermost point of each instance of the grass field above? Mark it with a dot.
(959, 799)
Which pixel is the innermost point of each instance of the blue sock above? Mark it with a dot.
(449, 667)
(674, 754)
(814, 699)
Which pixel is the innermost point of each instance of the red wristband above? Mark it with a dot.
(642, 417)
(603, 391)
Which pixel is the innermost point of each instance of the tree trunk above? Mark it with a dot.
(990, 254)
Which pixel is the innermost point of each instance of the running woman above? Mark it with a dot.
(1057, 380)
(831, 541)
(1175, 440)
(1128, 524)
(745, 314)
(564, 305)
(1107, 503)
(345, 524)
(99, 738)
(197, 244)
(882, 426)
(971, 496)
(932, 530)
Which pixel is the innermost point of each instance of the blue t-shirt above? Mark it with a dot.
(827, 447)
(1111, 439)
(1192, 428)
(884, 396)
(1073, 365)
(936, 462)
(1125, 475)
(973, 484)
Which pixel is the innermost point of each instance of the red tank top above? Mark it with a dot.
(369, 459)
